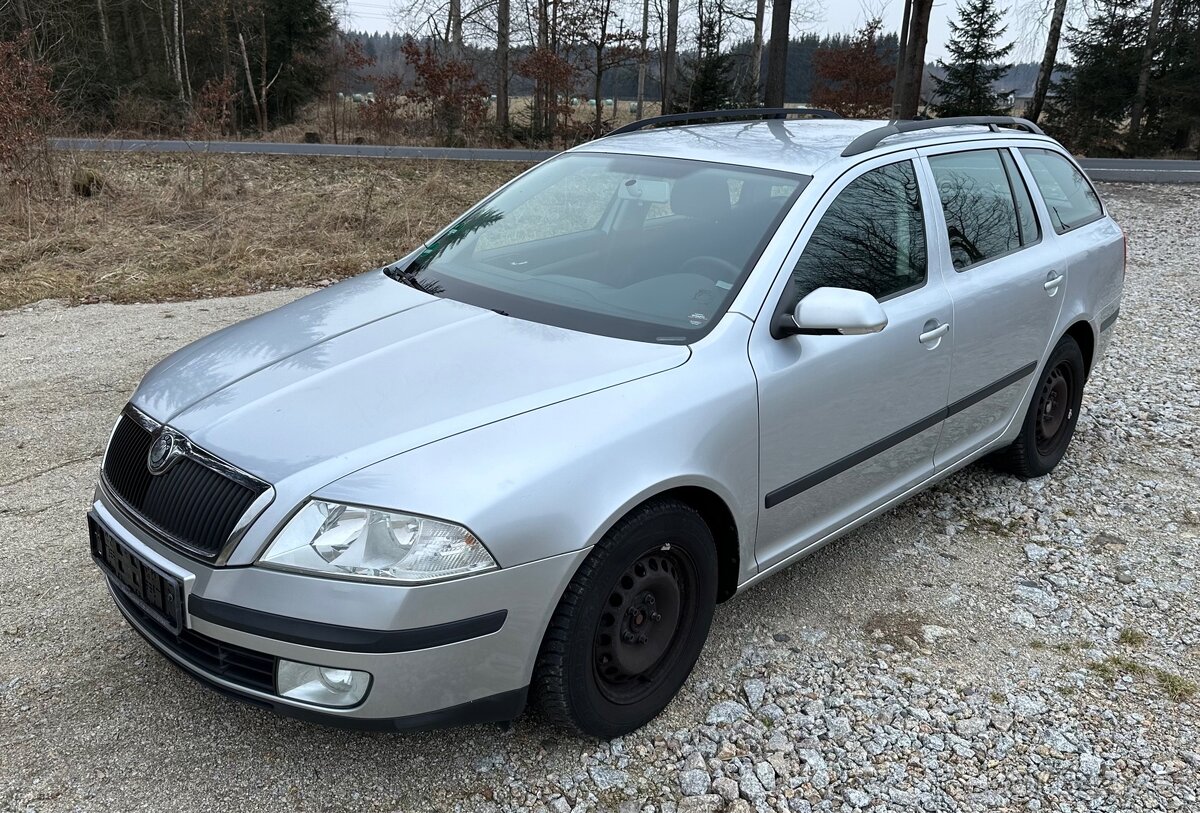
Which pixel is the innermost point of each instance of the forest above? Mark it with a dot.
(1117, 77)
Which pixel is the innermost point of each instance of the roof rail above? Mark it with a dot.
(870, 139)
(744, 113)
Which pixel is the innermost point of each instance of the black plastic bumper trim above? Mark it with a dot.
(496, 708)
(344, 639)
(796, 487)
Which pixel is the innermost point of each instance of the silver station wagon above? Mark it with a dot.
(526, 461)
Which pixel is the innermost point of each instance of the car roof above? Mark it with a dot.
(796, 146)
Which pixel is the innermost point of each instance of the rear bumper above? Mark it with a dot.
(449, 653)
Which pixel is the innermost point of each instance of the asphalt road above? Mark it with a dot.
(1100, 169)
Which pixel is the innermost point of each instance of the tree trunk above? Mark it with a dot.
(641, 91)
(756, 50)
(1049, 60)
(598, 124)
(901, 67)
(541, 107)
(187, 71)
(23, 16)
(104, 40)
(668, 77)
(909, 82)
(262, 125)
(781, 30)
(1143, 86)
(131, 42)
(502, 31)
(455, 29)
(176, 50)
(162, 24)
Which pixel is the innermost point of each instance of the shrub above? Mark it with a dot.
(26, 107)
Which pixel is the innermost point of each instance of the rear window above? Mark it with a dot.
(1068, 194)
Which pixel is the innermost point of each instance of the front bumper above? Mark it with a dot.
(450, 653)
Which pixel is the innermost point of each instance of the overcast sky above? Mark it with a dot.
(838, 16)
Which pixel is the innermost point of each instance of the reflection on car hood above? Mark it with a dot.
(370, 368)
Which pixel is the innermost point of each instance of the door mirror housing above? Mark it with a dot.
(834, 311)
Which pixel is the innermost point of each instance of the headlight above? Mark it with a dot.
(366, 543)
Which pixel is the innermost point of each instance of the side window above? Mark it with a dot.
(1069, 196)
(981, 214)
(871, 238)
(1031, 230)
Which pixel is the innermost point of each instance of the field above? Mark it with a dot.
(168, 228)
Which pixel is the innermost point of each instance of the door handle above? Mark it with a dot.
(934, 334)
(1053, 281)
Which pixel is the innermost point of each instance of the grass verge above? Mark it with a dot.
(169, 227)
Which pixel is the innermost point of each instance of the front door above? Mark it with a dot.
(848, 422)
(1007, 284)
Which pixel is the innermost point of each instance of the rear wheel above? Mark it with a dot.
(1050, 422)
(632, 622)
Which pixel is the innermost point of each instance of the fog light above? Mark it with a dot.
(321, 685)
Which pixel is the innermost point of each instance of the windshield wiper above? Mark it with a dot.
(409, 277)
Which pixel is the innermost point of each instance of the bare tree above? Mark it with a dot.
(596, 27)
(756, 16)
(1049, 60)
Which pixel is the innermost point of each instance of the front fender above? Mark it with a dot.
(555, 479)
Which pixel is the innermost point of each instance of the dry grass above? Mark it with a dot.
(183, 227)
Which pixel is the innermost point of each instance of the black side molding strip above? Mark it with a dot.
(346, 639)
(835, 468)
(990, 390)
(1110, 320)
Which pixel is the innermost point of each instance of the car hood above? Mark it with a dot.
(370, 368)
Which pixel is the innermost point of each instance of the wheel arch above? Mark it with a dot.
(715, 511)
(1081, 331)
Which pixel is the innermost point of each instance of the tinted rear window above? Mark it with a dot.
(1069, 196)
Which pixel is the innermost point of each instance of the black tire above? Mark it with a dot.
(1053, 412)
(631, 623)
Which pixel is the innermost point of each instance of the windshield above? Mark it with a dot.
(635, 247)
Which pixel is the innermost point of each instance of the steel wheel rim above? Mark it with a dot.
(1054, 408)
(642, 627)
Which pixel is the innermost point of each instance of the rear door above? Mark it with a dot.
(848, 422)
(1006, 282)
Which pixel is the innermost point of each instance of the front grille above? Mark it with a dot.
(245, 667)
(191, 504)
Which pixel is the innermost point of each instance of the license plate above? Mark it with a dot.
(158, 593)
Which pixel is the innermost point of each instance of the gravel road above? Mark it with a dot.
(990, 645)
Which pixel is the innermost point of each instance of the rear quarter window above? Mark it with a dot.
(1068, 194)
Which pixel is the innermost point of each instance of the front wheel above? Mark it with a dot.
(631, 624)
(1050, 422)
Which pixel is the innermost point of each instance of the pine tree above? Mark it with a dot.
(1091, 103)
(975, 64)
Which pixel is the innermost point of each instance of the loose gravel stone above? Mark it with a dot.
(694, 783)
